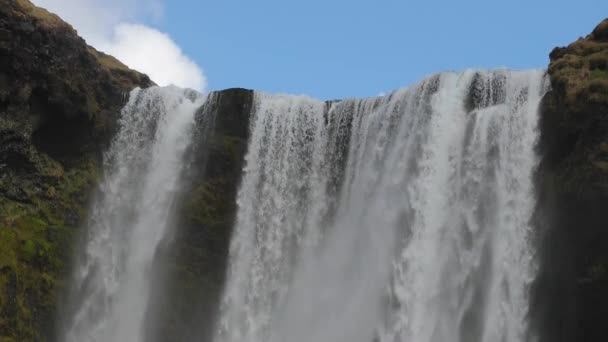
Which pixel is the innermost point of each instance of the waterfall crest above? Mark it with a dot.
(130, 216)
(396, 218)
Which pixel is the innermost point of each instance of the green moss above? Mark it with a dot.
(205, 203)
(58, 116)
(8, 250)
(35, 243)
(599, 74)
(208, 204)
(29, 250)
(232, 147)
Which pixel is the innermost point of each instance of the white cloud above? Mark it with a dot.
(111, 26)
(154, 53)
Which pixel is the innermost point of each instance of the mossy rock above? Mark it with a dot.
(196, 260)
(570, 296)
(59, 105)
(35, 244)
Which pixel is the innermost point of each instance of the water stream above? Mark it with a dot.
(395, 218)
(130, 216)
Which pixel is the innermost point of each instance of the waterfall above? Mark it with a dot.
(396, 218)
(130, 216)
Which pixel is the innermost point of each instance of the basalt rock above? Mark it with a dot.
(571, 293)
(195, 259)
(59, 104)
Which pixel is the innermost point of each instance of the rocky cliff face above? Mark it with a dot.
(59, 100)
(196, 258)
(571, 294)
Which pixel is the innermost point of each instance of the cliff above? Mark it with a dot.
(59, 104)
(195, 259)
(59, 101)
(571, 293)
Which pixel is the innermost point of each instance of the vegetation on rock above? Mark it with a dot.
(196, 259)
(59, 104)
(571, 293)
(59, 101)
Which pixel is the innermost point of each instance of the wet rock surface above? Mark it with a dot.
(59, 101)
(571, 296)
(59, 104)
(195, 259)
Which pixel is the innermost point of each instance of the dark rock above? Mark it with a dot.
(196, 258)
(5, 35)
(11, 294)
(59, 104)
(570, 297)
(601, 32)
(557, 52)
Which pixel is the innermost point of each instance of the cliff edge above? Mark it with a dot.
(59, 101)
(571, 293)
(59, 104)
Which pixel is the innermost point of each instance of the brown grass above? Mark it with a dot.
(583, 70)
(599, 60)
(107, 61)
(45, 18)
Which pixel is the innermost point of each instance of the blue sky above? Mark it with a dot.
(337, 49)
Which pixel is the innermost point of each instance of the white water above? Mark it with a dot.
(400, 218)
(131, 215)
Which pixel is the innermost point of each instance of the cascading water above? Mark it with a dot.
(130, 215)
(398, 218)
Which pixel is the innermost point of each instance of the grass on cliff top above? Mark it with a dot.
(108, 61)
(583, 70)
(45, 17)
(121, 73)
